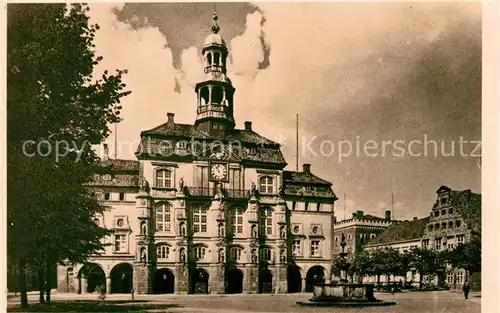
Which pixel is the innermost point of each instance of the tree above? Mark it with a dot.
(56, 111)
(404, 265)
(362, 265)
(428, 263)
(466, 256)
(379, 264)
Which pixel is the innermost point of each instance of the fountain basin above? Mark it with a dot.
(344, 295)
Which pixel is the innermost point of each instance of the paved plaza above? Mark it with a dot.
(421, 302)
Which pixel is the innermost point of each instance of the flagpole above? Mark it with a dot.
(297, 144)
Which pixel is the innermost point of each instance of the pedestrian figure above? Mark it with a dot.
(466, 289)
(132, 293)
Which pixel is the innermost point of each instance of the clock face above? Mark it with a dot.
(219, 171)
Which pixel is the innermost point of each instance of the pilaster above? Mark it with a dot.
(143, 278)
(251, 279)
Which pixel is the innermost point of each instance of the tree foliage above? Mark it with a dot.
(466, 256)
(56, 111)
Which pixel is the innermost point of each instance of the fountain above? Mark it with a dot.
(344, 294)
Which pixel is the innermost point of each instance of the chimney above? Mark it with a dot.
(306, 168)
(360, 214)
(106, 152)
(414, 218)
(387, 215)
(248, 125)
(170, 120)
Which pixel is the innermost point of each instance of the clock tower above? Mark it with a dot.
(215, 92)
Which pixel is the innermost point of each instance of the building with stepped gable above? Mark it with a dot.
(208, 208)
(454, 219)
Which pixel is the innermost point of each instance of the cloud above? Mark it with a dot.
(151, 77)
(374, 70)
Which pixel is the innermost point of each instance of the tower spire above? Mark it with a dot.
(215, 26)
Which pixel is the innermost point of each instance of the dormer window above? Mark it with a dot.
(266, 185)
(164, 178)
(106, 177)
(181, 145)
(252, 150)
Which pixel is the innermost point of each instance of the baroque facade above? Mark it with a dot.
(208, 208)
(452, 219)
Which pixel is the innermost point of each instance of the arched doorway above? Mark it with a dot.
(95, 278)
(315, 275)
(234, 280)
(163, 281)
(265, 281)
(294, 279)
(199, 281)
(121, 278)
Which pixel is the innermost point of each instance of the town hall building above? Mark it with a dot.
(208, 208)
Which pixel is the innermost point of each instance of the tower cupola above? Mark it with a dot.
(215, 92)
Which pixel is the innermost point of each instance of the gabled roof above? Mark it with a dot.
(303, 178)
(153, 145)
(191, 131)
(120, 165)
(468, 205)
(442, 189)
(402, 231)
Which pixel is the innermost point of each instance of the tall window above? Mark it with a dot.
(235, 253)
(162, 252)
(237, 221)
(450, 278)
(266, 184)
(425, 244)
(460, 277)
(163, 217)
(199, 253)
(266, 254)
(120, 243)
(460, 239)
(438, 244)
(314, 247)
(200, 220)
(266, 221)
(164, 178)
(297, 247)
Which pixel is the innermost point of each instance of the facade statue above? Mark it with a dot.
(145, 185)
(281, 191)
(254, 231)
(181, 184)
(253, 192)
(218, 191)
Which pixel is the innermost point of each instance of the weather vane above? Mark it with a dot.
(215, 26)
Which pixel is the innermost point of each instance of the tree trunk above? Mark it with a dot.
(22, 285)
(419, 281)
(378, 280)
(41, 285)
(48, 285)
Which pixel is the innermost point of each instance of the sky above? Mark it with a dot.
(388, 94)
